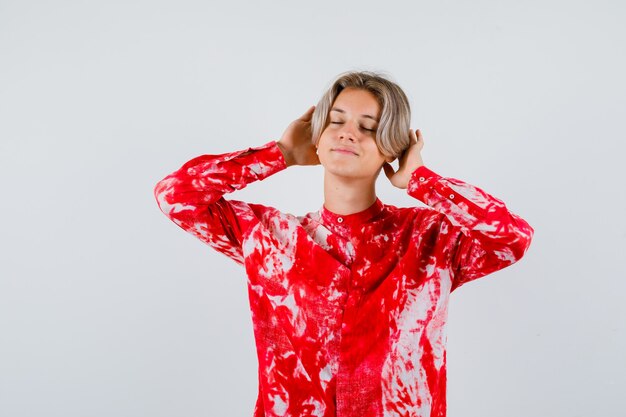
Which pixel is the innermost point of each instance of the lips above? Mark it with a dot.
(346, 151)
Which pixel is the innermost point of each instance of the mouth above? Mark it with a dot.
(345, 151)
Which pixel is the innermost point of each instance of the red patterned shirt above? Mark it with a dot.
(349, 312)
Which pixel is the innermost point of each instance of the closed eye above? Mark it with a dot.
(364, 128)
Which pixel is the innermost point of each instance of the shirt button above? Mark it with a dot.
(191, 171)
(451, 196)
(422, 179)
(340, 220)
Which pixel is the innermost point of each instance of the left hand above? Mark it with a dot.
(409, 161)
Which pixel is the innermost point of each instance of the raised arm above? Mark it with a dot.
(482, 235)
(192, 197)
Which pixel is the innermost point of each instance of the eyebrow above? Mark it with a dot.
(337, 109)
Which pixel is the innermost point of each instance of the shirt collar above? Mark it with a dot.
(348, 221)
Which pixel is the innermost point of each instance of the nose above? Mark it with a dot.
(347, 132)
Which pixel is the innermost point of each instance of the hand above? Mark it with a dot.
(409, 161)
(296, 144)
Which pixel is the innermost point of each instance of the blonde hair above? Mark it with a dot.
(392, 135)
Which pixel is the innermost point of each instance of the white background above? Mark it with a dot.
(109, 309)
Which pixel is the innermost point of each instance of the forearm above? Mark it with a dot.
(479, 214)
(204, 179)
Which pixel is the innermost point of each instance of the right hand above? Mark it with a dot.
(296, 144)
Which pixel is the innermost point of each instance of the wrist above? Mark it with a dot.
(287, 155)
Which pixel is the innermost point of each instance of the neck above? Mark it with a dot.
(348, 195)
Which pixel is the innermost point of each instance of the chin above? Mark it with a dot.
(348, 173)
(340, 171)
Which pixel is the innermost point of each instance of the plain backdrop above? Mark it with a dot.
(109, 309)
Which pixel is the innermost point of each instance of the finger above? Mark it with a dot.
(413, 137)
(420, 138)
(308, 114)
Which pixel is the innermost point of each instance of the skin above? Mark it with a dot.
(348, 152)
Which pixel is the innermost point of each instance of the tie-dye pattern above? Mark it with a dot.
(349, 312)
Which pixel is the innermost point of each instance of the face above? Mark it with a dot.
(347, 146)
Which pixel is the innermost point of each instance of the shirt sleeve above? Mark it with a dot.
(192, 197)
(484, 236)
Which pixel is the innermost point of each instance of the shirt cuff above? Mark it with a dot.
(421, 182)
(266, 160)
